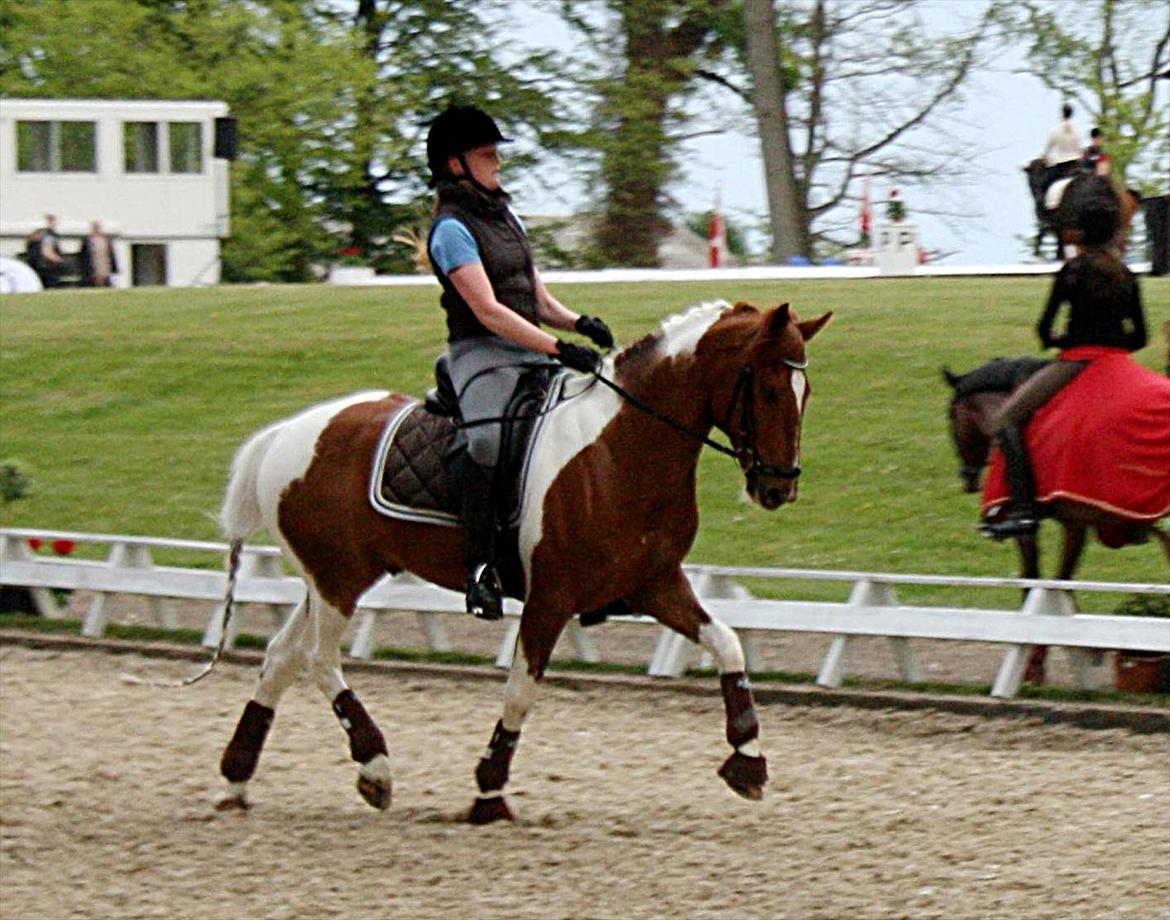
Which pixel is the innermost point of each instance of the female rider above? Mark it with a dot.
(1105, 309)
(495, 302)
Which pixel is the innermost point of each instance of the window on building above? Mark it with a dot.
(140, 141)
(186, 141)
(56, 146)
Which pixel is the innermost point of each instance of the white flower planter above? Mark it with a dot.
(351, 274)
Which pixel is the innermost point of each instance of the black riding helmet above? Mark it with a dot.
(458, 129)
(1098, 216)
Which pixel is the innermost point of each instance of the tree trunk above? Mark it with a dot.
(785, 208)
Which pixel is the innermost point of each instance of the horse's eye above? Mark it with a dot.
(770, 395)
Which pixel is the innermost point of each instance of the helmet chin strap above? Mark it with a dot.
(470, 177)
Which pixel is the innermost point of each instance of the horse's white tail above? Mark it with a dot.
(240, 516)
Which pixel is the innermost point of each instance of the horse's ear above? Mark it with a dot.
(811, 327)
(744, 307)
(952, 379)
(775, 321)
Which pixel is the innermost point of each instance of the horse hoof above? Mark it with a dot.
(488, 810)
(745, 775)
(230, 802)
(376, 792)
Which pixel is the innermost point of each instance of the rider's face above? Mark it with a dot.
(484, 164)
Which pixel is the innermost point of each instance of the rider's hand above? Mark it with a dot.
(595, 330)
(578, 357)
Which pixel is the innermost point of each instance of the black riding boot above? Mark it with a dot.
(479, 521)
(1023, 515)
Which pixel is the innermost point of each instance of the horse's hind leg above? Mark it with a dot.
(282, 663)
(367, 745)
(673, 603)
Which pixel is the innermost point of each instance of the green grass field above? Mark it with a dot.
(126, 407)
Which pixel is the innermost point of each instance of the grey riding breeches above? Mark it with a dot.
(485, 372)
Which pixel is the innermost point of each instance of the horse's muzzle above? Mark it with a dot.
(770, 492)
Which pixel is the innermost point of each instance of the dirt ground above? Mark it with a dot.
(106, 793)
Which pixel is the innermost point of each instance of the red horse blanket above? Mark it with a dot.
(1103, 440)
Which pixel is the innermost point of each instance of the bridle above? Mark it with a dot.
(743, 397)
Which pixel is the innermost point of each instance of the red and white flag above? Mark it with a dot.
(866, 213)
(717, 237)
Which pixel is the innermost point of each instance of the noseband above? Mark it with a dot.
(742, 395)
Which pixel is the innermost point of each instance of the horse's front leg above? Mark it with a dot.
(534, 646)
(1036, 671)
(672, 602)
(367, 745)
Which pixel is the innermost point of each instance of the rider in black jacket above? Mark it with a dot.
(1105, 309)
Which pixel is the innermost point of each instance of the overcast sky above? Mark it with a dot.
(1003, 123)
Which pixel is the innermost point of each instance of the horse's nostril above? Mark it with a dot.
(774, 498)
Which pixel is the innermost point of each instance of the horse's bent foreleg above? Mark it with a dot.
(537, 638)
(673, 604)
(282, 662)
(367, 745)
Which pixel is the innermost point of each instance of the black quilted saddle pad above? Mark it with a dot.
(413, 481)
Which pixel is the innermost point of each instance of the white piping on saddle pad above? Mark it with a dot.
(442, 518)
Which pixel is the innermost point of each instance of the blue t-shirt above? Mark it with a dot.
(453, 245)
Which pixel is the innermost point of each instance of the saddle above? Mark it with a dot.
(411, 479)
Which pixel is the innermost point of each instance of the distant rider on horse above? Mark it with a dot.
(1062, 153)
(1105, 309)
(495, 301)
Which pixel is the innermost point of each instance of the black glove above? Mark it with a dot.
(578, 357)
(595, 330)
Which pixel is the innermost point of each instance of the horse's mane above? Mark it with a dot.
(998, 375)
(689, 322)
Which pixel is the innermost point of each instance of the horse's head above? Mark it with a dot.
(970, 426)
(758, 391)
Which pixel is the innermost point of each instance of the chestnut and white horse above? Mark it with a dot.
(609, 513)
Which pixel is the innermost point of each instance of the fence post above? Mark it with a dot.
(1015, 660)
(16, 549)
(867, 593)
(126, 555)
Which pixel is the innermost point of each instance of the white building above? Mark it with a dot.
(155, 173)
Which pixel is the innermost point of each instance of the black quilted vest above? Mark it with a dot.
(504, 251)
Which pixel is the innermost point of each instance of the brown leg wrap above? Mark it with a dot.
(365, 738)
(742, 725)
(243, 752)
(492, 772)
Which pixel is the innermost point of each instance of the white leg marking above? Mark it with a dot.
(723, 644)
(377, 770)
(284, 659)
(519, 692)
(325, 652)
(750, 748)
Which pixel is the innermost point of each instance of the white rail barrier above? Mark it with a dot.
(1048, 615)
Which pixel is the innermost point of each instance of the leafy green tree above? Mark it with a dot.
(1113, 57)
(638, 112)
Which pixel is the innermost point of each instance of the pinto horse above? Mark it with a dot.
(976, 398)
(608, 514)
(1060, 221)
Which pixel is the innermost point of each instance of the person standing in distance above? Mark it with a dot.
(496, 302)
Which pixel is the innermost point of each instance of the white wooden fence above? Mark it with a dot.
(1047, 617)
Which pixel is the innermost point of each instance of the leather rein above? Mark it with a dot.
(742, 395)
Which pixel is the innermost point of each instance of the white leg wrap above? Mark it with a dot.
(723, 644)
